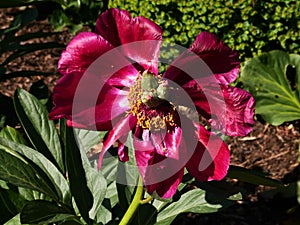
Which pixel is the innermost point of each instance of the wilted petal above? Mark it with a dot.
(119, 28)
(222, 60)
(81, 52)
(211, 157)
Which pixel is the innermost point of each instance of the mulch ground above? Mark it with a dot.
(269, 149)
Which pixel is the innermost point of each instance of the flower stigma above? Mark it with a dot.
(147, 101)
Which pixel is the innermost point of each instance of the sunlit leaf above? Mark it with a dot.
(56, 178)
(14, 221)
(274, 80)
(12, 134)
(193, 201)
(40, 130)
(15, 170)
(127, 176)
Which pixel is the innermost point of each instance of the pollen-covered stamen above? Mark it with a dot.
(147, 101)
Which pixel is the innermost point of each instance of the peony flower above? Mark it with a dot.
(110, 82)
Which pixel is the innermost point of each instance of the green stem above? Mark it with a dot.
(136, 201)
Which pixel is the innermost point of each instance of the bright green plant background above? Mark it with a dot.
(251, 26)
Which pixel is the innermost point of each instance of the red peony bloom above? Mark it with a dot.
(110, 82)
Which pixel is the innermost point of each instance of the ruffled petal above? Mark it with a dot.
(118, 133)
(208, 58)
(222, 60)
(81, 52)
(160, 174)
(228, 109)
(211, 157)
(120, 29)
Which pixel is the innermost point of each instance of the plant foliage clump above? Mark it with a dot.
(251, 26)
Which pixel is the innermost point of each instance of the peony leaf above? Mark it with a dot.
(77, 176)
(14, 221)
(16, 170)
(56, 178)
(12, 134)
(273, 78)
(40, 130)
(252, 177)
(193, 201)
(41, 212)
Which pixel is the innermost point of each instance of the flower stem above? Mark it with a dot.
(136, 201)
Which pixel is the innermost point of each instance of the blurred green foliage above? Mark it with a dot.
(249, 26)
(76, 13)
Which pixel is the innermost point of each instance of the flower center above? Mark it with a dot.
(147, 101)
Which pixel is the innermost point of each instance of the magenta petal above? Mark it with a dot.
(222, 60)
(239, 117)
(118, 133)
(81, 52)
(211, 157)
(119, 28)
(160, 174)
(97, 95)
(123, 152)
(86, 112)
(167, 144)
(228, 109)
(208, 58)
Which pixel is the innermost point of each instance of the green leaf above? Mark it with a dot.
(77, 176)
(112, 193)
(12, 200)
(252, 177)
(104, 214)
(146, 215)
(127, 176)
(56, 178)
(40, 130)
(41, 212)
(273, 79)
(97, 185)
(87, 139)
(14, 221)
(193, 201)
(15, 170)
(96, 182)
(12, 134)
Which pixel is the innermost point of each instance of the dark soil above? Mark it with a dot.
(272, 150)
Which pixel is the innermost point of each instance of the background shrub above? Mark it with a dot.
(251, 27)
